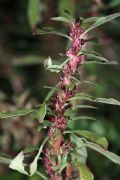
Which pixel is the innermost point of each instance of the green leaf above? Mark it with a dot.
(93, 56)
(89, 20)
(89, 52)
(63, 19)
(79, 154)
(101, 21)
(21, 112)
(30, 149)
(47, 30)
(113, 157)
(27, 60)
(114, 3)
(98, 139)
(53, 68)
(100, 100)
(98, 62)
(44, 124)
(85, 107)
(82, 118)
(35, 8)
(18, 164)
(108, 101)
(84, 172)
(51, 93)
(4, 158)
(41, 112)
(66, 6)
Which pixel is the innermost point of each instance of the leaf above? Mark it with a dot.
(53, 68)
(79, 154)
(93, 56)
(91, 19)
(85, 107)
(48, 30)
(44, 124)
(89, 52)
(51, 93)
(4, 158)
(27, 60)
(100, 21)
(98, 62)
(108, 101)
(113, 157)
(98, 139)
(114, 3)
(35, 8)
(30, 149)
(41, 112)
(63, 162)
(66, 5)
(63, 19)
(17, 162)
(82, 118)
(84, 172)
(21, 112)
(100, 100)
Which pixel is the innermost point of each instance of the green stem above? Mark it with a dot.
(41, 175)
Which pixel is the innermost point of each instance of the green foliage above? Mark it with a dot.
(41, 112)
(85, 173)
(21, 112)
(101, 21)
(49, 30)
(92, 137)
(66, 5)
(35, 8)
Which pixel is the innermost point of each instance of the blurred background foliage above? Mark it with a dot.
(22, 74)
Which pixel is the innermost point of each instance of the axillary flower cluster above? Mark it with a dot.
(59, 103)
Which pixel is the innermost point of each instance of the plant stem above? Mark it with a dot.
(41, 175)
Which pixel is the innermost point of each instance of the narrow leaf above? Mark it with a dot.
(100, 62)
(101, 21)
(108, 101)
(21, 112)
(83, 117)
(113, 157)
(100, 100)
(98, 139)
(51, 31)
(91, 19)
(85, 107)
(63, 19)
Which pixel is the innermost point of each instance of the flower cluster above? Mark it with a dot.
(48, 164)
(59, 103)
